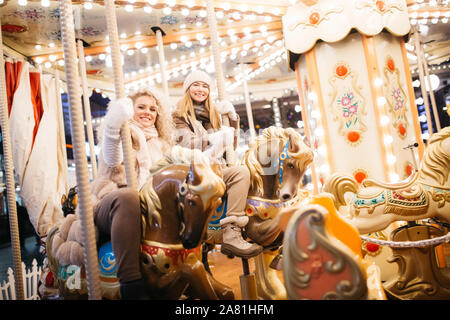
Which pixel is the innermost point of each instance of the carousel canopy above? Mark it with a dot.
(252, 32)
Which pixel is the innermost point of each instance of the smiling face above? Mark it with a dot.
(145, 111)
(199, 91)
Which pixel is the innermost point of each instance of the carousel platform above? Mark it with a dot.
(224, 269)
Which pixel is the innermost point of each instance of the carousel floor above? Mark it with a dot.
(224, 269)
(227, 270)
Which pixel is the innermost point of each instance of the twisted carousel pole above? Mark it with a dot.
(422, 82)
(79, 148)
(248, 105)
(212, 23)
(431, 91)
(9, 179)
(87, 108)
(162, 60)
(111, 23)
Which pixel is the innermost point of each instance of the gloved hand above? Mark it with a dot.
(226, 107)
(222, 138)
(119, 111)
(219, 140)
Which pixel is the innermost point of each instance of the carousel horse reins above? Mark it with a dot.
(282, 158)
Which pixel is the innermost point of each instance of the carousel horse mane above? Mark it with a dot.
(210, 185)
(436, 161)
(268, 135)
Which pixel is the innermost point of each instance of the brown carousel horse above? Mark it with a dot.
(177, 202)
(277, 160)
(425, 194)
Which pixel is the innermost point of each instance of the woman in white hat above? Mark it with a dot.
(198, 125)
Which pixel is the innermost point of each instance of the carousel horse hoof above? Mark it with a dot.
(134, 290)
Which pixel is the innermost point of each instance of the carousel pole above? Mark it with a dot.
(62, 136)
(9, 179)
(82, 172)
(162, 61)
(87, 108)
(111, 23)
(212, 23)
(248, 105)
(432, 98)
(422, 82)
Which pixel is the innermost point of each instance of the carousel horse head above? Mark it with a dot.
(435, 166)
(374, 205)
(185, 176)
(277, 160)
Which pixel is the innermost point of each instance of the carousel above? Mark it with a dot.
(337, 111)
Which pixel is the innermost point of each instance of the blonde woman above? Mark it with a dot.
(117, 213)
(198, 126)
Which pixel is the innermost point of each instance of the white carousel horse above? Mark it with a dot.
(425, 194)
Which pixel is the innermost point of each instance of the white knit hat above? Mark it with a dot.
(197, 75)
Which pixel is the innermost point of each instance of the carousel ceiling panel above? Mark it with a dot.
(250, 32)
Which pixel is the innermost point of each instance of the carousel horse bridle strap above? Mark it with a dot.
(181, 196)
(283, 157)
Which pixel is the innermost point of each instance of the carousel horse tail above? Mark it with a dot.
(392, 186)
(337, 185)
(51, 260)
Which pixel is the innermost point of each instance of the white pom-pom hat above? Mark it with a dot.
(197, 75)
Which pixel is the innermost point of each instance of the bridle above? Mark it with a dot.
(179, 200)
(281, 159)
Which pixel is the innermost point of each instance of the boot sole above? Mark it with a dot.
(232, 252)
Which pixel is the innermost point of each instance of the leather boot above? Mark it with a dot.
(232, 242)
(134, 290)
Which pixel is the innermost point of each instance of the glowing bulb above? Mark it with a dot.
(381, 101)
(388, 139)
(384, 120)
(391, 159)
(394, 177)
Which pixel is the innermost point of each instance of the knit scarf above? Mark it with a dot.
(150, 149)
(201, 114)
(149, 132)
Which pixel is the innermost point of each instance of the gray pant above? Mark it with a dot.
(118, 216)
(237, 181)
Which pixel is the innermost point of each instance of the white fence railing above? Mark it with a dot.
(30, 281)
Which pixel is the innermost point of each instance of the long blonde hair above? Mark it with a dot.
(185, 109)
(164, 124)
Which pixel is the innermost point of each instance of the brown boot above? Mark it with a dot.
(232, 242)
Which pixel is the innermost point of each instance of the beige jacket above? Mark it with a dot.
(192, 134)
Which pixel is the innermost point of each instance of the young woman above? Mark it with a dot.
(198, 125)
(117, 212)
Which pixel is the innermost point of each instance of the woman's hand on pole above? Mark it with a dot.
(226, 107)
(119, 111)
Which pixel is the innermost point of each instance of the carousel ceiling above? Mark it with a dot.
(250, 32)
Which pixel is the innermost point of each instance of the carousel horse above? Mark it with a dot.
(425, 194)
(277, 160)
(322, 256)
(176, 203)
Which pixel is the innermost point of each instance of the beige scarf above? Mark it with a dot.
(147, 156)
